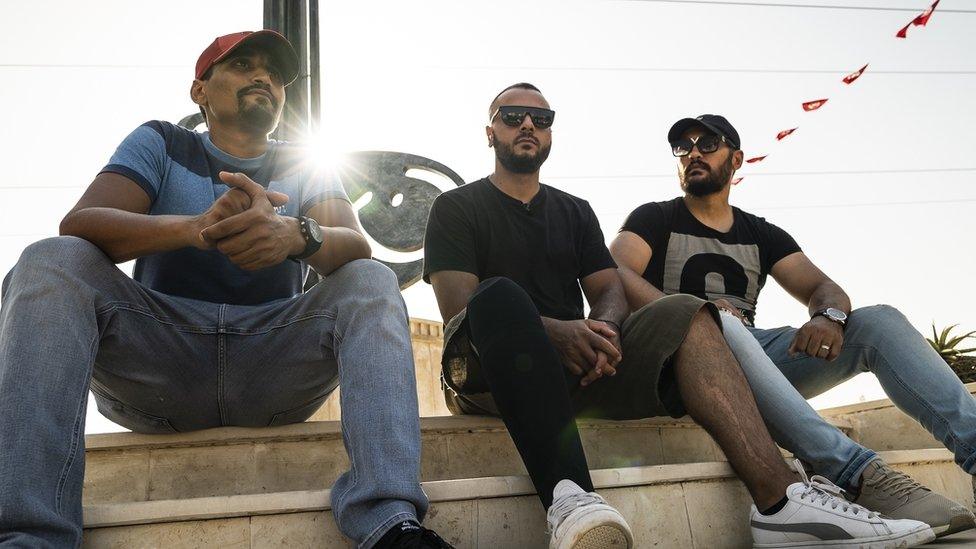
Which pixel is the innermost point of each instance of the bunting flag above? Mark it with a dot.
(782, 135)
(814, 105)
(920, 21)
(850, 78)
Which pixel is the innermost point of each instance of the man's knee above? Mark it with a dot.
(877, 321)
(61, 250)
(369, 275)
(496, 291)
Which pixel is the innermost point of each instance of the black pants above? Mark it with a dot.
(528, 383)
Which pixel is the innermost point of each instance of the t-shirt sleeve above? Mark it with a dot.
(142, 158)
(322, 184)
(648, 222)
(449, 242)
(779, 244)
(594, 255)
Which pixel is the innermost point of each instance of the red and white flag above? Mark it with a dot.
(755, 159)
(737, 180)
(814, 105)
(921, 20)
(782, 135)
(850, 78)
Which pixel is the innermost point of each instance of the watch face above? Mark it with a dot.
(836, 314)
(314, 231)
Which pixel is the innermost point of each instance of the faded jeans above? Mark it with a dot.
(71, 320)
(879, 339)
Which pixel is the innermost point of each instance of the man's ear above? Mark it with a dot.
(737, 158)
(491, 136)
(197, 93)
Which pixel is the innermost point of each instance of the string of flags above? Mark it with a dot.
(809, 106)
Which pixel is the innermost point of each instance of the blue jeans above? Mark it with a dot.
(791, 421)
(879, 339)
(71, 320)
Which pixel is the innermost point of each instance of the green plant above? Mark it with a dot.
(947, 345)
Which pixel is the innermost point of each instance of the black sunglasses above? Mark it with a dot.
(708, 143)
(513, 116)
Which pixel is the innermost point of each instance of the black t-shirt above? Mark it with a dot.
(545, 246)
(691, 258)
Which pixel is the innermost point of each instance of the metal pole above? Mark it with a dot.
(294, 19)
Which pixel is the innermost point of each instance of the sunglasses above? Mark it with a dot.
(705, 143)
(513, 116)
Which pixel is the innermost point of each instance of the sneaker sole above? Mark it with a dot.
(958, 523)
(598, 529)
(906, 540)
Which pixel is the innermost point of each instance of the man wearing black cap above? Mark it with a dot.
(701, 245)
(213, 329)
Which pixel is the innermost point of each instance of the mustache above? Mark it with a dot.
(528, 136)
(697, 164)
(265, 88)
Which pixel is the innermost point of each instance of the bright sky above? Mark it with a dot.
(877, 186)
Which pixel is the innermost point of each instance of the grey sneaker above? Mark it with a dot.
(897, 495)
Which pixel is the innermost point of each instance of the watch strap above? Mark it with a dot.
(312, 245)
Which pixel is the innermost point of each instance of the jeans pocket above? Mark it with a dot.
(299, 413)
(130, 417)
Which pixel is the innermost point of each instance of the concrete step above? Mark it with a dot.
(699, 505)
(123, 467)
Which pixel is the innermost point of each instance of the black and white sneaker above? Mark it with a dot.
(817, 515)
(410, 535)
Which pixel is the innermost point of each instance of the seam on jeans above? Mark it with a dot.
(221, 362)
(75, 435)
(383, 527)
(266, 329)
(957, 443)
(350, 449)
(125, 306)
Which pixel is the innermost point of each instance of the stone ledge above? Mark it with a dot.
(175, 510)
(324, 430)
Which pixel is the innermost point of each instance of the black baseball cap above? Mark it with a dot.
(714, 123)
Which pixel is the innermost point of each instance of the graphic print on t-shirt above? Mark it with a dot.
(707, 267)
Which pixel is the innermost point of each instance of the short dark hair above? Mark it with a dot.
(517, 86)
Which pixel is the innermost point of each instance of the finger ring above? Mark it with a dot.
(825, 347)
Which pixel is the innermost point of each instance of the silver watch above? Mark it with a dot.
(833, 315)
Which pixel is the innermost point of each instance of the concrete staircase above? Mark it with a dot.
(235, 487)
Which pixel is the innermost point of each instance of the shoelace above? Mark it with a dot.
(567, 504)
(897, 483)
(823, 492)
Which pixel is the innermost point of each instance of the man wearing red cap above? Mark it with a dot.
(213, 328)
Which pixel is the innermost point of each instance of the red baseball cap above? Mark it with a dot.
(270, 41)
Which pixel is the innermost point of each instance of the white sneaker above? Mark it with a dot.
(816, 515)
(583, 520)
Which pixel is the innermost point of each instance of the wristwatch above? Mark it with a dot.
(833, 315)
(312, 234)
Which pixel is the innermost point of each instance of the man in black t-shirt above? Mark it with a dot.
(701, 245)
(507, 257)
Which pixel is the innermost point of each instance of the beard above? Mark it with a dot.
(520, 162)
(710, 183)
(257, 115)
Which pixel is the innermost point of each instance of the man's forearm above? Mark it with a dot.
(125, 235)
(829, 294)
(340, 245)
(638, 291)
(611, 305)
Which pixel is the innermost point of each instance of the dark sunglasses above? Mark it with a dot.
(513, 116)
(705, 143)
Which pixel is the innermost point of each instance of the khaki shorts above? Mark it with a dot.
(643, 387)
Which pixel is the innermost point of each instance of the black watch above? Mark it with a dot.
(312, 234)
(833, 315)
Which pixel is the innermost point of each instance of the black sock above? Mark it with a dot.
(776, 508)
(394, 532)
